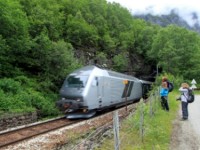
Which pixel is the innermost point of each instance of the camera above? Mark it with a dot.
(178, 98)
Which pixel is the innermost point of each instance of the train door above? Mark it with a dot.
(100, 91)
(103, 91)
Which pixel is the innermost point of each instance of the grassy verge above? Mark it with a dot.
(153, 132)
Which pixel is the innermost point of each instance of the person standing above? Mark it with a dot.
(164, 96)
(184, 104)
(164, 79)
(170, 85)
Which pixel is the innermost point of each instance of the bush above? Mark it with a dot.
(21, 95)
(9, 86)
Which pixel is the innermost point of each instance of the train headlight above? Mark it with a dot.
(85, 110)
(79, 99)
(66, 105)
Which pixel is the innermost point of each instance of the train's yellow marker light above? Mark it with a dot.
(125, 81)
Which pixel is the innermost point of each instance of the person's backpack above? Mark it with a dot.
(190, 98)
(170, 86)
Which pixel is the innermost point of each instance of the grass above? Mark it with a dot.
(156, 129)
(197, 92)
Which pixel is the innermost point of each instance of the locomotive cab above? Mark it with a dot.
(71, 93)
(79, 92)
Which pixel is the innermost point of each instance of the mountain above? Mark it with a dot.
(172, 18)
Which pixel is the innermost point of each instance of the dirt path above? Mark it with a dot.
(186, 134)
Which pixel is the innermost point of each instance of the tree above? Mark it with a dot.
(14, 37)
(120, 62)
(177, 50)
(79, 32)
(43, 16)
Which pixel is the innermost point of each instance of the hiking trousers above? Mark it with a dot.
(184, 110)
(164, 103)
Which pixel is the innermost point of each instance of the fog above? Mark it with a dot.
(184, 8)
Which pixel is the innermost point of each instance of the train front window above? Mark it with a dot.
(76, 81)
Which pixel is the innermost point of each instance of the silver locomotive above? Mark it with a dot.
(90, 89)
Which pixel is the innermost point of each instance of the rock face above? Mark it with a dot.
(13, 120)
(136, 64)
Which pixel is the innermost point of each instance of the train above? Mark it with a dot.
(91, 89)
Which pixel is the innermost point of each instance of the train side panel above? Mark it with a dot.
(103, 92)
(91, 96)
(116, 88)
(114, 91)
(136, 92)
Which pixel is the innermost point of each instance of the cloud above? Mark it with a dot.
(184, 8)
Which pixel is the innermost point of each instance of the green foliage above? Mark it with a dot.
(20, 95)
(107, 44)
(9, 86)
(145, 39)
(101, 58)
(13, 36)
(44, 16)
(177, 50)
(126, 40)
(43, 104)
(11, 92)
(79, 32)
(14, 23)
(120, 62)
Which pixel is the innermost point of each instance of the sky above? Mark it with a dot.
(184, 8)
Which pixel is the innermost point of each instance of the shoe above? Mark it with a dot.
(183, 119)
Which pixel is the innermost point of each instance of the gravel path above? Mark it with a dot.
(186, 134)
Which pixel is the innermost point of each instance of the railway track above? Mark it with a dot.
(18, 135)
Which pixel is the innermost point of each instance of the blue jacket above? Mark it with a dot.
(164, 92)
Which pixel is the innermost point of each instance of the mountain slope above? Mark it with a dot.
(172, 18)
